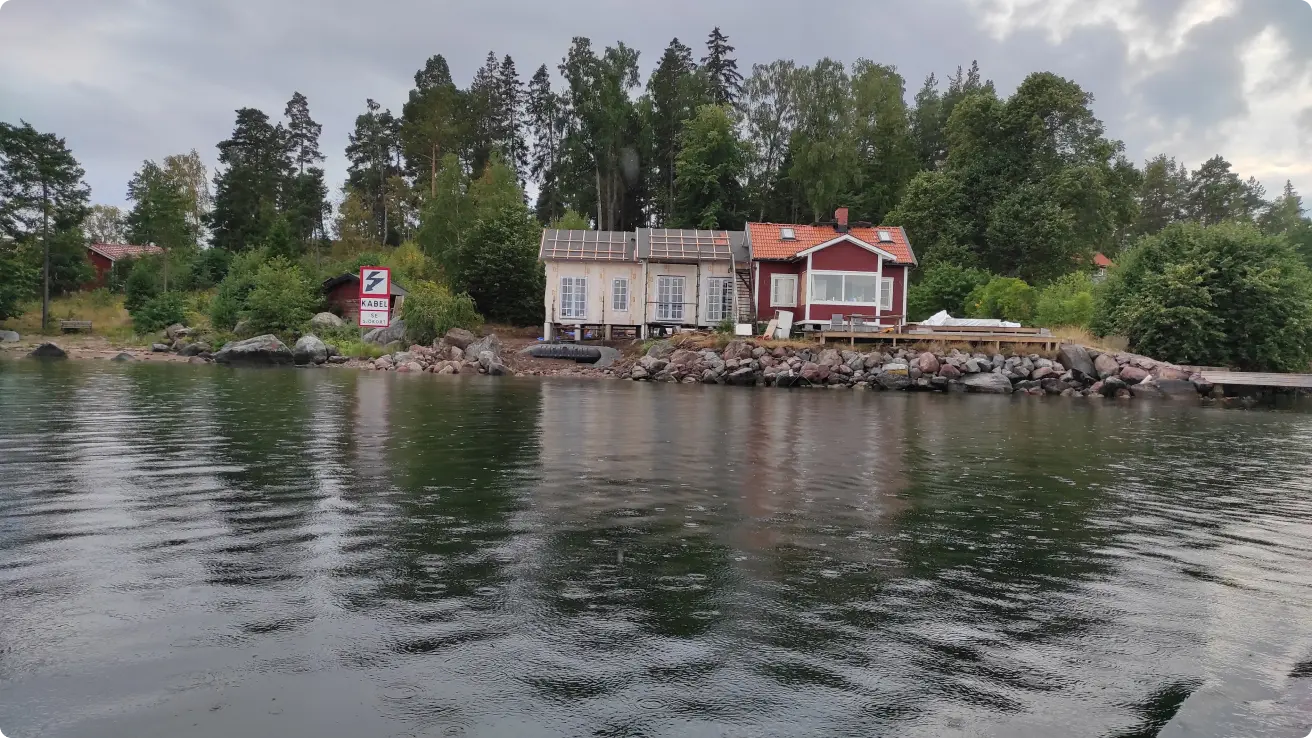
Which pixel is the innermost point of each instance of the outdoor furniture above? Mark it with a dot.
(72, 326)
(836, 322)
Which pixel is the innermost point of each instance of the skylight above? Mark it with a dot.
(788, 234)
(885, 237)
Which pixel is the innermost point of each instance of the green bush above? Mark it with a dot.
(943, 286)
(1222, 295)
(230, 300)
(1005, 298)
(209, 268)
(1066, 302)
(19, 281)
(281, 298)
(159, 312)
(430, 310)
(144, 281)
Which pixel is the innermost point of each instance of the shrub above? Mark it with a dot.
(430, 310)
(1222, 295)
(144, 281)
(281, 298)
(498, 265)
(409, 264)
(159, 312)
(18, 281)
(943, 287)
(209, 268)
(230, 299)
(1066, 302)
(1006, 298)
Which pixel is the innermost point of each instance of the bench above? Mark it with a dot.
(70, 326)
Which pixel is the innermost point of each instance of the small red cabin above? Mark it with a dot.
(820, 271)
(105, 256)
(343, 297)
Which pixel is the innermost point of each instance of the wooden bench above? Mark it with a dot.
(70, 326)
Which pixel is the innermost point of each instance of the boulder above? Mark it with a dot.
(738, 350)
(1076, 359)
(993, 384)
(383, 363)
(338, 359)
(637, 372)
(1042, 373)
(124, 357)
(684, 357)
(264, 350)
(160, 348)
(895, 377)
(459, 337)
(743, 377)
(949, 372)
(326, 320)
(176, 331)
(1131, 374)
(383, 336)
(48, 350)
(488, 343)
(198, 360)
(1182, 389)
(1053, 386)
(9, 337)
(1111, 386)
(1170, 373)
(814, 373)
(928, 363)
(1106, 366)
(974, 366)
(1203, 386)
(661, 350)
(448, 368)
(829, 358)
(1143, 362)
(410, 367)
(310, 350)
(242, 329)
(194, 349)
(1028, 384)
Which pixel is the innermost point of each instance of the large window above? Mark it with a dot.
(669, 299)
(574, 297)
(837, 288)
(886, 295)
(719, 299)
(619, 292)
(783, 290)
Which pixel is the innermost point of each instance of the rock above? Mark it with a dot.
(194, 349)
(661, 350)
(410, 367)
(973, 366)
(994, 384)
(488, 343)
(459, 337)
(758, 352)
(1068, 392)
(176, 345)
(1170, 373)
(332, 350)
(326, 320)
(830, 358)
(383, 363)
(738, 350)
(309, 350)
(176, 331)
(780, 352)
(1203, 386)
(814, 373)
(1042, 373)
(1143, 362)
(652, 364)
(743, 377)
(638, 372)
(1111, 386)
(1182, 389)
(949, 372)
(48, 350)
(1053, 386)
(448, 368)
(1076, 359)
(9, 337)
(242, 329)
(339, 359)
(895, 377)
(1131, 374)
(124, 357)
(928, 363)
(1106, 366)
(402, 357)
(384, 336)
(160, 348)
(261, 350)
(684, 357)
(1028, 384)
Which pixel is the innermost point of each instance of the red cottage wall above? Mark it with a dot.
(102, 266)
(764, 310)
(889, 317)
(344, 299)
(845, 257)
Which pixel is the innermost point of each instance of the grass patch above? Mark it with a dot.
(1082, 336)
(104, 309)
(356, 349)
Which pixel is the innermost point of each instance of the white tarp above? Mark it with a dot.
(943, 319)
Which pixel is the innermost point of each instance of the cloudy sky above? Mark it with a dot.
(127, 80)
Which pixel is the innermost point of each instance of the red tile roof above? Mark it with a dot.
(768, 242)
(116, 251)
(1102, 262)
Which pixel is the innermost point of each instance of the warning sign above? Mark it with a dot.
(375, 297)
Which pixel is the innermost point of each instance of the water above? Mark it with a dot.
(207, 552)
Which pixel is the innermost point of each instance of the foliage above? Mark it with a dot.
(230, 299)
(257, 165)
(499, 268)
(409, 265)
(1004, 298)
(430, 310)
(944, 286)
(209, 268)
(281, 298)
(1224, 295)
(159, 312)
(710, 166)
(724, 82)
(105, 224)
(144, 281)
(571, 221)
(18, 280)
(1067, 301)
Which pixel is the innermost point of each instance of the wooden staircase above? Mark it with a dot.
(746, 309)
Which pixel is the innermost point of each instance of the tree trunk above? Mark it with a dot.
(45, 248)
(601, 226)
(434, 171)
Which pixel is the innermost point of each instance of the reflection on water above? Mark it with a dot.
(200, 551)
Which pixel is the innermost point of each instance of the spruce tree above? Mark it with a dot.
(673, 100)
(726, 84)
(247, 189)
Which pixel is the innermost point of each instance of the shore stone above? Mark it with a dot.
(829, 358)
(326, 320)
(894, 377)
(1203, 386)
(1042, 373)
(242, 329)
(949, 372)
(124, 357)
(176, 331)
(198, 360)
(459, 337)
(1170, 373)
(48, 350)
(928, 363)
(814, 373)
(1076, 359)
(1111, 386)
(338, 359)
(384, 336)
(160, 348)
(194, 349)
(309, 350)
(9, 337)
(995, 384)
(262, 350)
(1132, 374)
(1106, 366)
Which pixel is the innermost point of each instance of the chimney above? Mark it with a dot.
(840, 220)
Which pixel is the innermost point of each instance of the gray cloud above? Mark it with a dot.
(127, 80)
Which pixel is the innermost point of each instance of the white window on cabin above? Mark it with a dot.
(619, 291)
(886, 294)
(826, 287)
(669, 299)
(861, 288)
(719, 299)
(783, 290)
(845, 288)
(574, 297)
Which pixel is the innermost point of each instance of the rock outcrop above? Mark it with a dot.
(309, 350)
(384, 336)
(264, 350)
(326, 320)
(48, 350)
(9, 337)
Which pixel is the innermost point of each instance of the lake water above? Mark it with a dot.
(198, 551)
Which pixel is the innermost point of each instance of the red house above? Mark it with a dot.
(820, 271)
(103, 257)
(342, 293)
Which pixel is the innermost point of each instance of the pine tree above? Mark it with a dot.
(886, 152)
(726, 84)
(1216, 194)
(373, 152)
(672, 92)
(486, 111)
(248, 189)
(160, 213)
(546, 113)
(432, 122)
(306, 196)
(1162, 195)
(711, 164)
(302, 133)
(510, 95)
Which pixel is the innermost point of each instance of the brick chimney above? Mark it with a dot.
(840, 220)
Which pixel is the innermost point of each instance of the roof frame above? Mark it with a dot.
(855, 241)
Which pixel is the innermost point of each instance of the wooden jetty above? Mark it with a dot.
(923, 334)
(1259, 379)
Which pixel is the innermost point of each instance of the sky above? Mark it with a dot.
(128, 80)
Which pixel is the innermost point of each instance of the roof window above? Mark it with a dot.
(885, 237)
(788, 234)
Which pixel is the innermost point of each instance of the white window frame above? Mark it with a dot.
(619, 287)
(877, 303)
(791, 299)
(574, 298)
(886, 294)
(725, 306)
(669, 307)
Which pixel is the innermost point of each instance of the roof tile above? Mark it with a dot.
(117, 251)
(768, 243)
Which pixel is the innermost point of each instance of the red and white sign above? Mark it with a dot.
(375, 297)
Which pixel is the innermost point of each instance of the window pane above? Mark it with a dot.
(620, 292)
(784, 291)
(719, 299)
(861, 288)
(886, 296)
(827, 288)
(669, 297)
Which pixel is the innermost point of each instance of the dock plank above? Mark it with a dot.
(1259, 379)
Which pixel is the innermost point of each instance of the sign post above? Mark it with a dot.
(375, 297)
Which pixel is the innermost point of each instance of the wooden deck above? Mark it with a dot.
(1049, 343)
(1259, 379)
